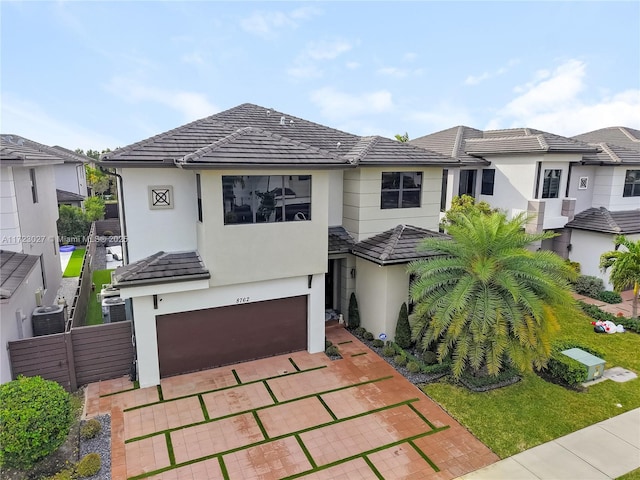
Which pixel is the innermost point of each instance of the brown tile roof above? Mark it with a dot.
(612, 155)
(14, 268)
(450, 142)
(398, 245)
(339, 240)
(19, 149)
(602, 220)
(252, 135)
(162, 267)
(64, 196)
(623, 136)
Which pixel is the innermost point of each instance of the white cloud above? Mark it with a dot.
(306, 64)
(486, 75)
(337, 105)
(266, 24)
(192, 105)
(559, 102)
(438, 117)
(30, 120)
(397, 72)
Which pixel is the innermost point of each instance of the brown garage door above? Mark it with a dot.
(190, 341)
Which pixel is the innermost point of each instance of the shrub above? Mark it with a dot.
(403, 329)
(354, 313)
(589, 286)
(413, 367)
(388, 351)
(73, 225)
(332, 351)
(378, 343)
(88, 465)
(368, 336)
(90, 429)
(400, 360)
(359, 331)
(575, 266)
(480, 383)
(35, 417)
(327, 343)
(610, 297)
(429, 357)
(565, 368)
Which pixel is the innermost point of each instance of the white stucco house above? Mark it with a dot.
(243, 229)
(585, 188)
(30, 264)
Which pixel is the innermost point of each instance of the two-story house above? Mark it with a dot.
(566, 184)
(30, 262)
(244, 227)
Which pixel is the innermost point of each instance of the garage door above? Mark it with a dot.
(200, 339)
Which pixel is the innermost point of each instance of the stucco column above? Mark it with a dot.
(144, 321)
(315, 316)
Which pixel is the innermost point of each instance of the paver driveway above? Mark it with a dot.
(292, 416)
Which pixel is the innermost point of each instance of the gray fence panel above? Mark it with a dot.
(45, 356)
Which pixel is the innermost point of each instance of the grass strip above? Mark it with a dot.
(172, 455)
(424, 456)
(224, 388)
(273, 397)
(358, 354)
(294, 364)
(317, 468)
(195, 424)
(424, 419)
(260, 425)
(333, 415)
(373, 467)
(74, 267)
(94, 307)
(160, 395)
(307, 454)
(235, 374)
(204, 408)
(344, 343)
(223, 468)
(118, 392)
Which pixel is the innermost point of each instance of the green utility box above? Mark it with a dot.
(595, 365)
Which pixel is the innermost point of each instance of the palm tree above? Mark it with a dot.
(487, 301)
(625, 267)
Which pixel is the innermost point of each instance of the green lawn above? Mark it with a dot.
(94, 309)
(75, 263)
(533, 411)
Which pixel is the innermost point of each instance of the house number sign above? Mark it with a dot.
(242, 300)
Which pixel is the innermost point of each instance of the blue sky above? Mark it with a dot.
(106, 74)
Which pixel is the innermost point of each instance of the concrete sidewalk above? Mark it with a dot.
(605, 450)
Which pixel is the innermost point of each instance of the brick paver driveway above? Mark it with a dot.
(292, 416)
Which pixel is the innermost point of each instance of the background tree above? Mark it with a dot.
(402, 138)
(403, 329)
(73, 226)
(94, 209)
(488, 302)
(98, 181)
(465, 204)
(625, 268)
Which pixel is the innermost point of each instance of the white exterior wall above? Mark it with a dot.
(609, 185)
(15, 317)
(149, 231)
(380, 292)
(9, 219)
(514, 183)
(335, 197)
(586, 248)
(196, 296)
(364, 218)
(71, 177)
(584, 197)
(247, 253)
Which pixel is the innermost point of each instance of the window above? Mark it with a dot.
(443, 192)
(551, 183)
(631, 184)
(44, 274)
(34, 187)
(266, 198)
(488, 178)
(400, 190)
(467, 184)
(199, 194)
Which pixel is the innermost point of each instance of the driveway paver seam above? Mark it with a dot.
(235, 374)
(373, 468)
(307, 454)
(260, 425)
(203, 405)
(172, 455)
(324, 404)
(424, 456)
(294, 365)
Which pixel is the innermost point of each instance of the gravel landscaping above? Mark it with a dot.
(100, 444)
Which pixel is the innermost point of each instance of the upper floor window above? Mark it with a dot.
(551, 183)
(266, 198)
(401, 189)
(467, 183)
(34, 186)
(488, 178)
(443, 191)
(631, 184)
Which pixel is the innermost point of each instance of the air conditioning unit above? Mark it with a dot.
(108, 291)
(48, 320)
(113, 310)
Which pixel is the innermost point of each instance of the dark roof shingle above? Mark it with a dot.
(339, 240)
(162, 267)
(14, 269)
(622, 136)
(622, 222)
(64, 196)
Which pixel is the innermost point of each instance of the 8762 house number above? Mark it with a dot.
(242, 300)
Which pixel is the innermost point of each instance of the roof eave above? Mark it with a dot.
(232, 165)
(160, 281)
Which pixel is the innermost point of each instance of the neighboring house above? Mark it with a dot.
(552, 177)
(242, 229)
(69, 198)
(71, 176)
(30, 262)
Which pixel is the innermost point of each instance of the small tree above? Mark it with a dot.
(625, 268)
(402, 138)
(465, 205)
(403, 329)
(354, 313)
(94, 209)
(72, 224)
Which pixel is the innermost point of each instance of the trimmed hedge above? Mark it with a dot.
(35, 418)
(354, 312)
(594, 312)
(589, 286)
(610, 297)
(567, 369)
(403, 329)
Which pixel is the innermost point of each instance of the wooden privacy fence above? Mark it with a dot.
(77, 357)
